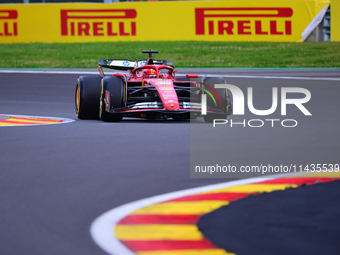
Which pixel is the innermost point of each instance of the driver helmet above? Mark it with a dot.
(151, 73)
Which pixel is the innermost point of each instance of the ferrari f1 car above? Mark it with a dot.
(150, 90)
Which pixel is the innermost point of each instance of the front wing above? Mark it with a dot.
(180, 113)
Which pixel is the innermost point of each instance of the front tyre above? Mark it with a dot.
(112, 97)
(87, 97)
(209, 118)
(223, 94)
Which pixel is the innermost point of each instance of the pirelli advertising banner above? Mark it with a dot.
(248, 20)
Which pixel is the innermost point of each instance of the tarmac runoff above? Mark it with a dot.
(167, 224)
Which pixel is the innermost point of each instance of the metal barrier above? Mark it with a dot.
(327, 26)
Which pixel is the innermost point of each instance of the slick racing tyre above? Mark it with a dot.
(224, 95)
(112, 97)
(87, 97)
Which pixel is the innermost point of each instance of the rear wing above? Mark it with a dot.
(129, 65)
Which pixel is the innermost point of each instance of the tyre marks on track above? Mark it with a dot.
(20, 120)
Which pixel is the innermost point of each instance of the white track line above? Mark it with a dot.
(281, 77)
(47, 72)
(102, 228)
(179, 75)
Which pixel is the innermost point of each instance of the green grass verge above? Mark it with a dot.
(183, 54)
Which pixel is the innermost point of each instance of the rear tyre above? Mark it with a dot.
(87, 97)
(112, 97)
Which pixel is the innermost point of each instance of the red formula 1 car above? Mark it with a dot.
(150, 90)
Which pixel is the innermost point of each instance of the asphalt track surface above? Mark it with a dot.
(56, 179)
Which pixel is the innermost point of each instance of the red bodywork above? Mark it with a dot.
(152, 90)
(162, 82)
